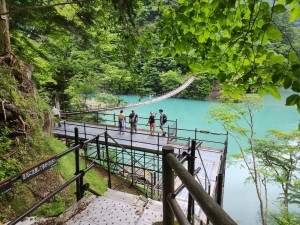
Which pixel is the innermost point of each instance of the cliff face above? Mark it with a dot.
(25, 127)
(215, 93)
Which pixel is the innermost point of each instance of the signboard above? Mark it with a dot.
(40, 168)
(5, 186)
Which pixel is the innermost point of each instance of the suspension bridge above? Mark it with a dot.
(150, 101)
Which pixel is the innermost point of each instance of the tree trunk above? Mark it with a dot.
(5, 49)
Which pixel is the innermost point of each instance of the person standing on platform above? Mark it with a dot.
(122, 121)
(151, 121)
(133, 119)
(56, 114)
(163, 120)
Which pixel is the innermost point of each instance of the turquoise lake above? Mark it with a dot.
(240, 200)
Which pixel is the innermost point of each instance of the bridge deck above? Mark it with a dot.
(142, 141)
(157, 99)
(139, 141)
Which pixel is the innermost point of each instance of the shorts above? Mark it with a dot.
(162, 126)
(152, 125)
(133, 125)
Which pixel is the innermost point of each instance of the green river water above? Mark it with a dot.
(239, 198)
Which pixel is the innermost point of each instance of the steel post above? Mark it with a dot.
(132, 164)
(84, 131)
(65, 132)
(107, 159)
(77, 165)
(191, 169)
(220, 189)
(98, 148)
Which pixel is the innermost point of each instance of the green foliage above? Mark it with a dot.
(108, 99)
(229, 39)
(274, 159)
(238, 120)
(236, 116)
(54, 208)
(278, 155)
(66, 166)
(284, 217)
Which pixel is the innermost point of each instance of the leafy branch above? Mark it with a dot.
(43, 6)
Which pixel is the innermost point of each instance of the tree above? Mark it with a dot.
(5, 49)
(273, 159)
(238, 120)
(25, 119)
(228, 38)
(278, 156)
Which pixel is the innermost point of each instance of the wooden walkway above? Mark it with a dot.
(157, 99)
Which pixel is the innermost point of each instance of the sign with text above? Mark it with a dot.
(5, 186)
(33, 172)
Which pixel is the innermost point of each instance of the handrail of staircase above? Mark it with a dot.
(39, 168)
(212, 210)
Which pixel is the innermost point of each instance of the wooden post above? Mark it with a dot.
(168, 186)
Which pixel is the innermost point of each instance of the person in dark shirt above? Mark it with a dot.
(162, 122)
(151, 121)
(133, 119)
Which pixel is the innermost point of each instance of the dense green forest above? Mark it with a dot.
(97, 56)
(86, 49)
(63, 52)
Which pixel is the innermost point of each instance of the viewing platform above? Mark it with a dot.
(181, 175)
(137, 156)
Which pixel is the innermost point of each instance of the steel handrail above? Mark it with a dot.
(56, 191)
(205, 172)
(124, 149)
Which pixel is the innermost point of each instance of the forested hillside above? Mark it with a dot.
(64, 52)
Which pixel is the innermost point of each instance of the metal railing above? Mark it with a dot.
(154, 182)
(37, 169)
(112, 120)
(212, 209)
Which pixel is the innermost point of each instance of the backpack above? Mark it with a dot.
(165, 118)
(132, 118)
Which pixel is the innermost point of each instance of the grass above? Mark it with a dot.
(26, 195)
(66, 169)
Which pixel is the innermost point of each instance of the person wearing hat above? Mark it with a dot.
(151, 121)
(163, 119)
(133, 118)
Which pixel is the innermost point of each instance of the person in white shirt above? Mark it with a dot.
(56, 113)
